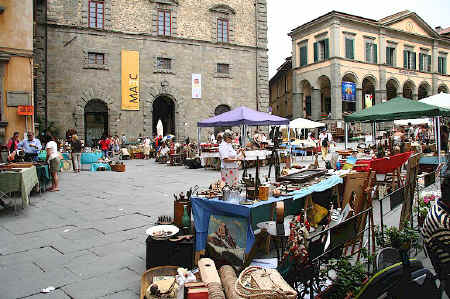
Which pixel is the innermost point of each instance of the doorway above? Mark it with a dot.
(95, 121)
(164, 110)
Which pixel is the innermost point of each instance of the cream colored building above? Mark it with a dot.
(400, 55)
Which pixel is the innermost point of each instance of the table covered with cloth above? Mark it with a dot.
(203, 208)
(86, 158)
(383, 165)
(21, 181)
(95, 166)
(43, 175)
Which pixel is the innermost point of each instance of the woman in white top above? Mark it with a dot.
(147, 148)
(53, 161)
(228, 157)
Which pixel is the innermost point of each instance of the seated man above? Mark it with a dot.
(163, 153)
(31, 146)
(436, 229)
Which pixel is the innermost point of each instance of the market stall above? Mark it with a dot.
(17, 178)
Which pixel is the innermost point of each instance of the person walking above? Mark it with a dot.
(325, 140)
(76, 153)
(54, 161)
(229, 157)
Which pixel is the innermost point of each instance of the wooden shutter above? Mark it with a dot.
(429, 63)
(327, 48)
(405, 59)
(444, 65)
(421, 61)
(375, 53)
(352, 49)
(367, 52)
(316, 52)
(413, 60)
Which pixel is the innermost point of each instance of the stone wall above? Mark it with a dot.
(192, 47)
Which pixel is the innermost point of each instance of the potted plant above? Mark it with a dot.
(402, 239)
(346, 278)
(425, 202)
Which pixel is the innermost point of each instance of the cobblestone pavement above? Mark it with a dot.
(88, 240)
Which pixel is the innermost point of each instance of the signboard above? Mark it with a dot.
(196, 86)
(25, 110)
(18, 98)
(368, 100)
(348, 91)
(130, 80)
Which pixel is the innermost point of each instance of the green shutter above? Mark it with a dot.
(303, 56)
(388, 56)
(413, 60)
(444, 65)
(327, 48)
(352, 49)
(439, 65)
(375, 53)
(367, 52)
(429, 63)
(405, 59)
(421, 61)
(316, 52)
(349, 52)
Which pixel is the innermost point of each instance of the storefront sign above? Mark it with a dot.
(25, 110)
(196, 86)
(130, 80)
(349, 91)
(368, 100)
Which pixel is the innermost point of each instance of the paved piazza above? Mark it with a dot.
(88, 240)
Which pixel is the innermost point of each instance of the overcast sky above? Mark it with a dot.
(284, 15)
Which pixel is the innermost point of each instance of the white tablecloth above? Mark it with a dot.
(249, 155)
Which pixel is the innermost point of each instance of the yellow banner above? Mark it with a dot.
(130, 80)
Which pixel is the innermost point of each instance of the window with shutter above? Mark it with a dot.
(326, 48)
(442, 65)
(375, 53)
(96, 13)
(429, 63)
(368, 52)
(164, 23)
(303, 56)
(316, 52)
(421, 61)
(349, 51)
(405, 59)
(413, 57)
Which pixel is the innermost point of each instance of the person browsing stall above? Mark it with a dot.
(13, 142)
(54, 161)
(31, 146)
(325, 140)
(229, 157)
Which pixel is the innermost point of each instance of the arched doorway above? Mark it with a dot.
(368, 92)
(164, 110)
(307, 92)
(443, 88)
(219, 110)
(349, 107)
(408, 89)
(325, 96)
(391, 89)
(95, 121)
(424, 90)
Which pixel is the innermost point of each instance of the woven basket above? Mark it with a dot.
(147, 277)
(260, 283)
(118, 167)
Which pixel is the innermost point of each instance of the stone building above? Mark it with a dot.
(224, 41)
(400, 55)
(16, 68)
(280, 90)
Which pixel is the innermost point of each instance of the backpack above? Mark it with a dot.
(325, 142)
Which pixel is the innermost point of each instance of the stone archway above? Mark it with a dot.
(325, 96)
(86, 96)
(368, 91)
(408, 90)
(392, 86)
(164, 110)
(306, 90)
(424, 90)
(149, 96)
(349, 107)
(96, 122)
(443, 88)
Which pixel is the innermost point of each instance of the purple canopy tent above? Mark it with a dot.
(242, 116)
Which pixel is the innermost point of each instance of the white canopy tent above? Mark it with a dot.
(415, 121)
(441, 100)
(303, 123)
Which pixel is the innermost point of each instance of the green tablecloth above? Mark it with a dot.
(43, 176)
(22, 182)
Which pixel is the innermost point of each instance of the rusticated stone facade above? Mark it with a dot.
(192, 48)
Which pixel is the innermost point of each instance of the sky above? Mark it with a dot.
(285, 15)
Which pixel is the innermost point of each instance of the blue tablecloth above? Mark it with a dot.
(86, 158)
(202, 209)
(433, 160)
(95, 166)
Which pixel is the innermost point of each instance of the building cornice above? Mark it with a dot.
(103, 32)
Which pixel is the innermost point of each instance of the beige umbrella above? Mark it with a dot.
(159, 128)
